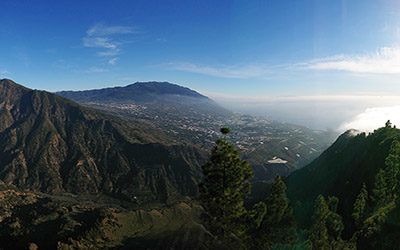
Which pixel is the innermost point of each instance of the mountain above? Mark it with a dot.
(155, 98)
(189, 117)
(138, 92)
(340, 171)
(54, 145)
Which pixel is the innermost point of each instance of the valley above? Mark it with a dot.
(196, 119)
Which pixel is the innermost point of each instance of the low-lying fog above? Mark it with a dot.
(339, 113)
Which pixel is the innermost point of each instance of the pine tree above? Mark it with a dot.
(380, 192)
(319, 232)
(334, 221)
(326, 231)
(360, 206)
(222, 193)
(386, 186)
(277, 225)
(384, 197)
(279, 216)
(392, 169)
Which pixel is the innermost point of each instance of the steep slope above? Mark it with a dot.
(340, 171)
(50, 144)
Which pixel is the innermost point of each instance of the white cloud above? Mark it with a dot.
(113, 61)
(92, 70)
(373, 118)
(105, 39)
(108, 53)
(384, 61)
(224, 71)
(99, 42)
(101, 30)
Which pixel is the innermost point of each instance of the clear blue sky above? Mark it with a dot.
(233, 48)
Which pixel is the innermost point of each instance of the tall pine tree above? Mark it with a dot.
(327, 228)
(360, 207)
(226, 184)
(277, 225)
(319, 232)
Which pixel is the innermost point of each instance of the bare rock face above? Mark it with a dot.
(53, 145)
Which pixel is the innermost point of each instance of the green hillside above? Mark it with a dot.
(340, 171)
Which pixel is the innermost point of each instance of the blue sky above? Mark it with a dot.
(226, 49)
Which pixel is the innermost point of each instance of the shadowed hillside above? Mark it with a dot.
(340, 171)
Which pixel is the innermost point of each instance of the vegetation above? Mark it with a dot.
(274, 223)
(271, 224)
(360, 206)
(223, 191)
(222, 194)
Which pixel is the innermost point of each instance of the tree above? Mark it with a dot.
(381, 192)
(223, 190)
(392, 169)
(279, 216)
(360, 206)
(334, 221)
(327, 228)
(225, 130)
(277, 226)
(386, 186)
(319, 232)
(384, 198)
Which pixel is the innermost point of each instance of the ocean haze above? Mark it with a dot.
(339, 113)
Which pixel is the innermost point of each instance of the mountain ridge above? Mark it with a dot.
(51, 144)
(135, 91)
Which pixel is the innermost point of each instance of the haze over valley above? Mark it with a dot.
(364, 113)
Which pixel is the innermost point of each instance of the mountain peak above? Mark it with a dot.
(10, 89)
(351, 133)
(9, 82)
(6, 81)
(162, 88)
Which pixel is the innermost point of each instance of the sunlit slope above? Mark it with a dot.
(54, 145)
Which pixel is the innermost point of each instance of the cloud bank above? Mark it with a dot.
(373, 118)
